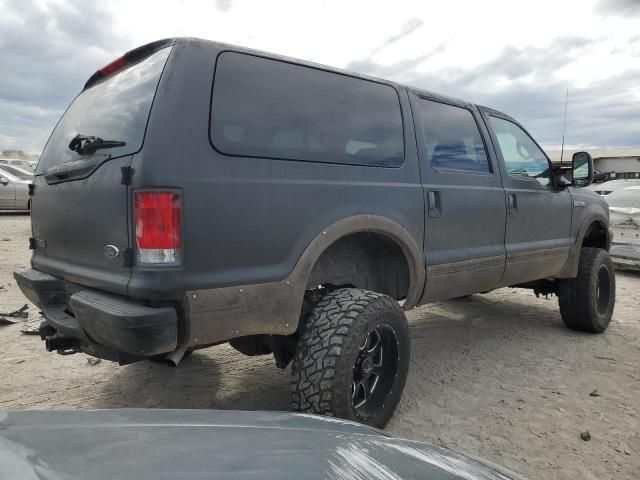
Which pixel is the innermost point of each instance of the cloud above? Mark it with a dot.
(624, 8)
(514, 63)
(406, 30)
(223, 5)
(392, 71)
(523, 83)
(49, 50)
(601, 114)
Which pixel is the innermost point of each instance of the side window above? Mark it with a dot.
(522, 157)
(274, 109)
(452, 137)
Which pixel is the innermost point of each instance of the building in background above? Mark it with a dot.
(612, 162)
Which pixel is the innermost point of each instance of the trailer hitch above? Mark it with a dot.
(60, 344)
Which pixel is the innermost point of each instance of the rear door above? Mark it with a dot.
(465, 214)
(538, 234)
(80, 202)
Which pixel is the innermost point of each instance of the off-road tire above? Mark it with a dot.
(582, 307)
(330, 342)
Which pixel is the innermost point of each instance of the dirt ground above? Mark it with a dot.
(496, 376)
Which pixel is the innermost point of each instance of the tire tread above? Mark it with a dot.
(329, 332)
(576, 298)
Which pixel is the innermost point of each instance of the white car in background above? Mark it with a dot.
(16, 162)
(21, 173)
(611, 186)
(624, 221)
(14, 192)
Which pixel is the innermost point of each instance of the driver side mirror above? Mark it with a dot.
(582, 169)
(4, 181)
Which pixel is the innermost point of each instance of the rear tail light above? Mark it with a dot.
(117, 64)
(158, 227)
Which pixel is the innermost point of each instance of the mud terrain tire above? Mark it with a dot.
(354, 345)
(587, 301)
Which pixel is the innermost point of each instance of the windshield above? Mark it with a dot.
(18, 172)
(9, 176)
(115, 109)
(21, 163)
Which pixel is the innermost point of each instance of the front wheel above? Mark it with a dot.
(352, 357)
(587, 301)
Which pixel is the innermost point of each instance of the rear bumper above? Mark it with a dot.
(100, 324)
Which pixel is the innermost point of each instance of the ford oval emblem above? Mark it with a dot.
(111, 251)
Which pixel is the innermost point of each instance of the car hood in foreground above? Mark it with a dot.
(206, 444)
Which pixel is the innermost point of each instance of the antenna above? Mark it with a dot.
(564, 124)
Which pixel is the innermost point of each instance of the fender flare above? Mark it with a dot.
(570, 269)
(374, 224)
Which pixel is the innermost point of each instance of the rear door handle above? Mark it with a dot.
(434, 205)
(512, 202)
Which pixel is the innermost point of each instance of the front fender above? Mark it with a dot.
(588, 209)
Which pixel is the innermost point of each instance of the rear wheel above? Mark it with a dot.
(352, 357)
(587, 301)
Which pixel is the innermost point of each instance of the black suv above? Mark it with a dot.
(196, 193)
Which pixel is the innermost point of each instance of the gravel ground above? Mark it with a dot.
(495, 375)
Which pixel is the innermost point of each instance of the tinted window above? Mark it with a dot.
(115, 109)
(452, 138)
(269, 108)
(522, 157)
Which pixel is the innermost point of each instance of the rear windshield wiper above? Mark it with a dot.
(88, 144)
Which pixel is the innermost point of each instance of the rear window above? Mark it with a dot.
(274, 109)
(114, 109)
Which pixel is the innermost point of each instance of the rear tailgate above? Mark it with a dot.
(80, 204)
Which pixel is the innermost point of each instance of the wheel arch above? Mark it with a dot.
(593, 233)
(596, 235)
(364, 236)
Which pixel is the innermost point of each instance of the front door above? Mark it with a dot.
(538, 236)
(465, 213)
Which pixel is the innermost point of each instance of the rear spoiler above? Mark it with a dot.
(129, 58)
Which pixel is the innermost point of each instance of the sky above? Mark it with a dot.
(516, 56)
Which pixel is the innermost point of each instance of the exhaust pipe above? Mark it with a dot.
(175, 357)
